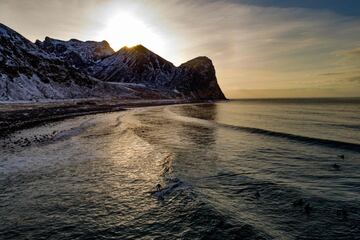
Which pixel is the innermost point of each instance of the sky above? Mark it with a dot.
(260, 48)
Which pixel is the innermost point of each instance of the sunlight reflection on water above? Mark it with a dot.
(95, 176)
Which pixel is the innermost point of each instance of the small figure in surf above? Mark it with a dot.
(298, 203)
(308, 209)
(158, 187)
(336, 166)
(342, 213)
(257, 195)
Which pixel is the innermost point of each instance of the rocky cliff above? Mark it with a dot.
(135, 65)
(79, 54)
(197, 78)
(58, 69)
(27, 72)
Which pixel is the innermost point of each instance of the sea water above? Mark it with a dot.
(247, 169)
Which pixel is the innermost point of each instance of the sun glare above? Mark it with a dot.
(128, 30)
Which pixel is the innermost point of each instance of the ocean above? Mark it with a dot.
(239, 169)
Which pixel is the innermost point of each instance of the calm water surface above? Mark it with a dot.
(230, 170)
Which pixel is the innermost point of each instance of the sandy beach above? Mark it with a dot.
(18, 115)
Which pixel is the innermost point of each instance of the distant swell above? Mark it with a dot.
(309, 140)
(299, 138)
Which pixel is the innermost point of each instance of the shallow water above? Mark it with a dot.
(94, 177)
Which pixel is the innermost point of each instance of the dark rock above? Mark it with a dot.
(56, 69)
(134, 65)
(197, 78)
(78, 53)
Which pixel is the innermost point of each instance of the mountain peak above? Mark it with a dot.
(202, 60)
(59, 64)
(77, 52)
(106, 43)
(197, 78)
(8, 32)
(137, 48)
(9, 37)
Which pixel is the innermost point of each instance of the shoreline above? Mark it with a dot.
(22, 115)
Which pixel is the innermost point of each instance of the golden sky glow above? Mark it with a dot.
(258, 51)
(127, 29)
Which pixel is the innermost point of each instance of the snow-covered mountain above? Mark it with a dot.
(134, 65)
(55, 69)
(195, 78)
(79, 54)
(27, 72)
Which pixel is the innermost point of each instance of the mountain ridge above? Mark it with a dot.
(58, 69)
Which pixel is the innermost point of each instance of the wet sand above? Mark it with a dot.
(19, 115)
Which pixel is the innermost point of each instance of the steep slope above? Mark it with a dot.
(55, 69)
(197, 79)
(78, 53)
(28, 72)
(138, 65)
(194, 79)
(134, 65)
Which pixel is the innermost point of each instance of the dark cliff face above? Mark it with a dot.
(197, 78)
(134, 65)
(193, 79)
(27, 72)
(68, 69)
(77, 53)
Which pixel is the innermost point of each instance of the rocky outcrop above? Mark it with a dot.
(134, 65)
(55, 69)
(78, 53)
(27, 72)
(193, 79)
(197, 78)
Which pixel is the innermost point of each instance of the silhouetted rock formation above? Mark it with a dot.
(55, 69)
(79, 54)
(197, 78)
(134, 65)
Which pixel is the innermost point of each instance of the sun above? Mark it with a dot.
(126, 29)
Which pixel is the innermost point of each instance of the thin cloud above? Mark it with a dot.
(332, 74)
(353, 53)
(354, 79)
(251, 46)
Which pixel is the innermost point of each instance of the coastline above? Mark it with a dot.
(16, 116)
